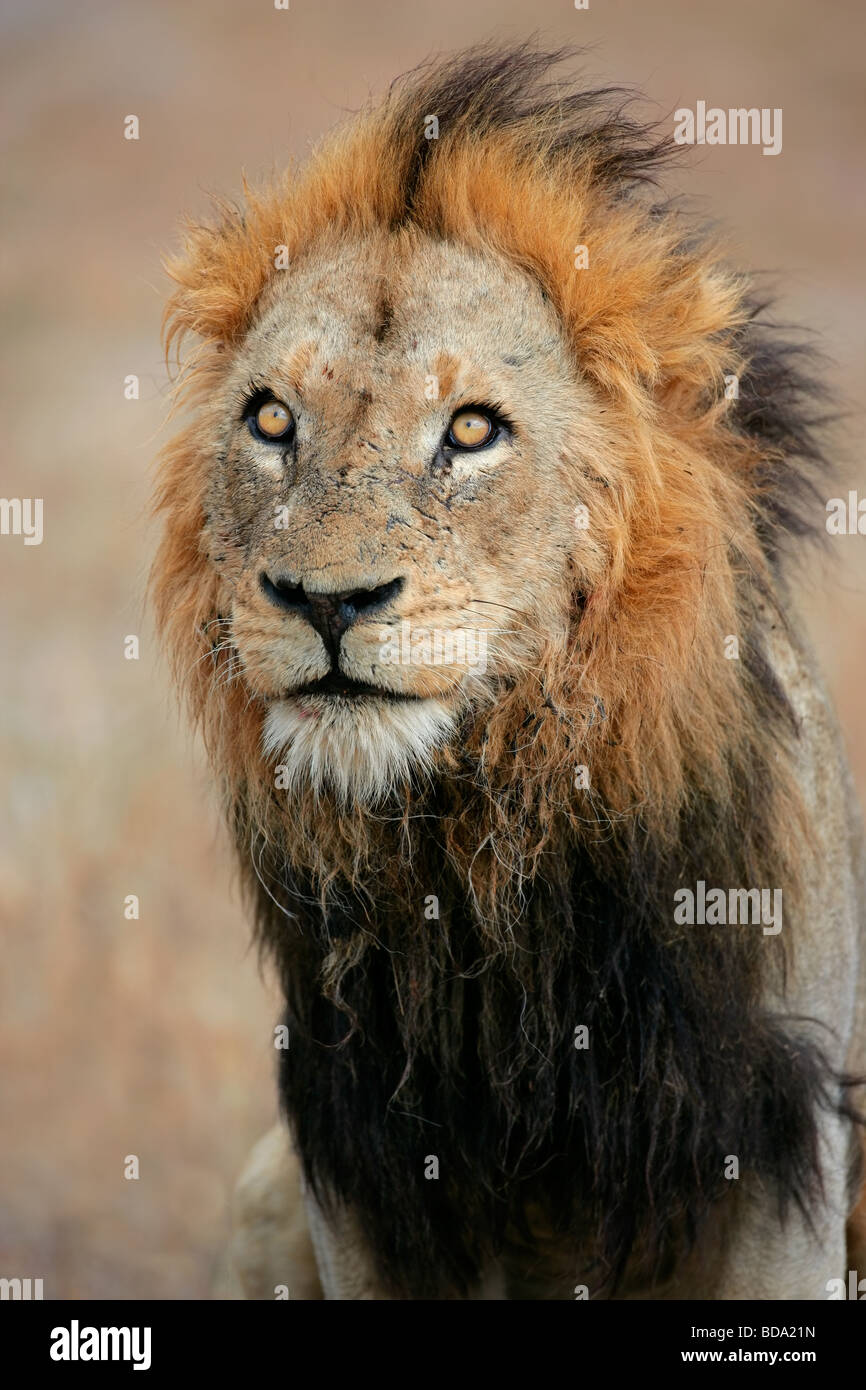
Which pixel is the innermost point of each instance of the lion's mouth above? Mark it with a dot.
(344, 687)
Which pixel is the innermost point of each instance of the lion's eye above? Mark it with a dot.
(470, 429)
(273, 420)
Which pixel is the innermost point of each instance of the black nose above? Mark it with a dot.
(330, 614)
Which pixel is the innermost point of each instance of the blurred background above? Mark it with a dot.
(153, 1036)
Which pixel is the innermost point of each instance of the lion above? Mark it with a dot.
(475, 572)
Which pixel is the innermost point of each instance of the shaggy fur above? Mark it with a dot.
(454, 1036)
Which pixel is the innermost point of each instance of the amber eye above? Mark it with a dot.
(470, 429)
(274, 420)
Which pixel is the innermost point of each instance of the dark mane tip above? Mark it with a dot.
(515, 88)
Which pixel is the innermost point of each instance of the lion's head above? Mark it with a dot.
(465, 452)
(399, 444)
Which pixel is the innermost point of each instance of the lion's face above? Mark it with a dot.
(391, 501)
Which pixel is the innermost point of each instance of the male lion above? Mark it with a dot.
(473, 574)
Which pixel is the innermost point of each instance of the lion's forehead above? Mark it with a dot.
(415, 322)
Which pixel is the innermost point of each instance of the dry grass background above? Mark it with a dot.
(153, 1037)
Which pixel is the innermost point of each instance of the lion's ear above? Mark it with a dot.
(697, 331)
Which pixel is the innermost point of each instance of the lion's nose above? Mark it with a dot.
(330, 614)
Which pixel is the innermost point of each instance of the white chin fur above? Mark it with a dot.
(359, 749)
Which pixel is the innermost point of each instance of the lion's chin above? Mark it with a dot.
(359, 749)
